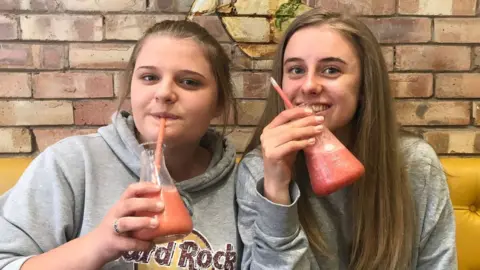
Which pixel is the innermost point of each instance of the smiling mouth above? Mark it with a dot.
(319, 108)
(316, 108)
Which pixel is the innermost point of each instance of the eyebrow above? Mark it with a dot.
(146, 67)
(182, 71)
(327, 59)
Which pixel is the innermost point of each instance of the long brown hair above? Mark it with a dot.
(382, 204)
(213, 51)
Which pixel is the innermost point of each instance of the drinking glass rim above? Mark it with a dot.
(148, 145)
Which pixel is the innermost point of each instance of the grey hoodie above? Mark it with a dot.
(273, 237)
(68, 189)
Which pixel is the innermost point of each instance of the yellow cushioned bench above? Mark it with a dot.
(10, 170)
(463, 181)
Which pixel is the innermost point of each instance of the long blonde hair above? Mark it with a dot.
(383, 209)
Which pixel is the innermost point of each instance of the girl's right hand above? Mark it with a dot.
(111, 244)
(292, 130)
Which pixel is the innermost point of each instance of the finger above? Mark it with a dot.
(139, 189)
(127, 224)
(288, 148)
(133, 244)
(307, 122)
(132, 205)
(289, 115)
(312, 120)
(298, 123)
(272, 140)
(312, 126)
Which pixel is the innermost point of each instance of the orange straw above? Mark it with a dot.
(158, 150)
(275, 85)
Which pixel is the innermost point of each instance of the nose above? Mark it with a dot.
(165, 91)
(312, 85)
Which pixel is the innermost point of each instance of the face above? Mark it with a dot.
(172, 79)
(321, 70)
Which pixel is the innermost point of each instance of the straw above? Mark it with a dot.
(158, 150)
(279, 90)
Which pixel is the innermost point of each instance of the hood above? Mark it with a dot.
(120, 137)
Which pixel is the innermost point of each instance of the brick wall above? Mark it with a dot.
(61, 63)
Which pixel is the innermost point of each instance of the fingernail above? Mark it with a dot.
(160, 205)
(311, 141)
(156, 187)
(319, 118)
(308, 110)
(318, 128)
(153, 222)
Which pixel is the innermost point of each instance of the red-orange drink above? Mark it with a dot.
(173, 223)
(330, 165)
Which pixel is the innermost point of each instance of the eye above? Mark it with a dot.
(296, 70)
(149, 78)
(331, 72)
(190, 83)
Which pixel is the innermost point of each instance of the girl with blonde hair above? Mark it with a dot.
(398, 215)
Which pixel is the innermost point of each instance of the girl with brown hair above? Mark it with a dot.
(77, 205)
(398, 215)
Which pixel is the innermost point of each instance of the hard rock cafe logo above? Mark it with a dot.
(194, 252)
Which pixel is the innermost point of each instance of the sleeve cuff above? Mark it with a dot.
(17, 264)
(275, 219)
